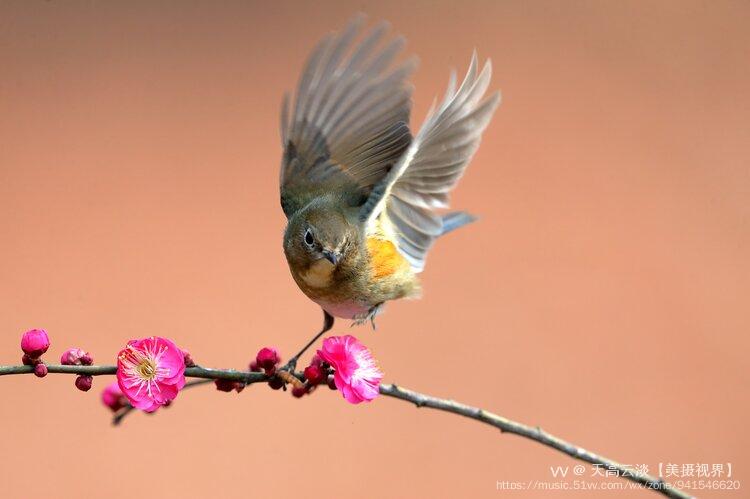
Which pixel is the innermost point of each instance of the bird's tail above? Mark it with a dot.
(456, 219)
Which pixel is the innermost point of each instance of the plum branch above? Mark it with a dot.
(205, 375)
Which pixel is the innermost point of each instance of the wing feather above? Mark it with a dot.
(349, 122)
(432, 165)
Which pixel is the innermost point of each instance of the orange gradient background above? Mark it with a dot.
(603, 295)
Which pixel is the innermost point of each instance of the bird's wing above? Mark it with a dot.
(349, 122)
(432, 165)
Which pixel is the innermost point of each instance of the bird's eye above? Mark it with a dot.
(309, 240)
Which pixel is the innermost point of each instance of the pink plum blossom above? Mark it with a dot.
(150, 372)
(35, 342)
(356, 374)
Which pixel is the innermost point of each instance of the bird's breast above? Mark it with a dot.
(384, 258)
(347, 309)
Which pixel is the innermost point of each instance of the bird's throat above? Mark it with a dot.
(319, 274)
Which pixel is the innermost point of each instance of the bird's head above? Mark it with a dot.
(318, 236)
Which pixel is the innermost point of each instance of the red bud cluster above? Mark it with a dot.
(227, 385)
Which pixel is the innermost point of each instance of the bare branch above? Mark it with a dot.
(532, 433)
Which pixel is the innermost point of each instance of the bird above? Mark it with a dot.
(365, 198)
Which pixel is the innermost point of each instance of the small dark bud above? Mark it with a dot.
(74, 357)
(316, 360)
(40, 370)
(267, 359)
(276, 383)
(224, 385)
(189, 362)
(84, 383)
(313, 374)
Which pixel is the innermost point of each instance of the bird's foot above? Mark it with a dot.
(360, 319)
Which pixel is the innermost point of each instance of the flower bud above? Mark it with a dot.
(276, 383)
(224, 385)
(35, 342)
(318, 362)
(267, 359)
(84, 383)
(189, 362)
(28, 361)
(313, 374)
(299, 391)
(113, 397)
(254, 367)
(227, 385)
(40, 370)
(75, 357)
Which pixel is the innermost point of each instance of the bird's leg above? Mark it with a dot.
(327, 325)
(369, 316)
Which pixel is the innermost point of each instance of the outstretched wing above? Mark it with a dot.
(349, 123)
(406, 198)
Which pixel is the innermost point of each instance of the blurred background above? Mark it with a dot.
(603, 295)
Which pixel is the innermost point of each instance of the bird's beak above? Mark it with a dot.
(331, 256)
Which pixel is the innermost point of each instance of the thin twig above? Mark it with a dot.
(60, 369)
(419, 399)
(190, 372)
(536, 434)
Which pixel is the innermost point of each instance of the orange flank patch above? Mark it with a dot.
(384, 257)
